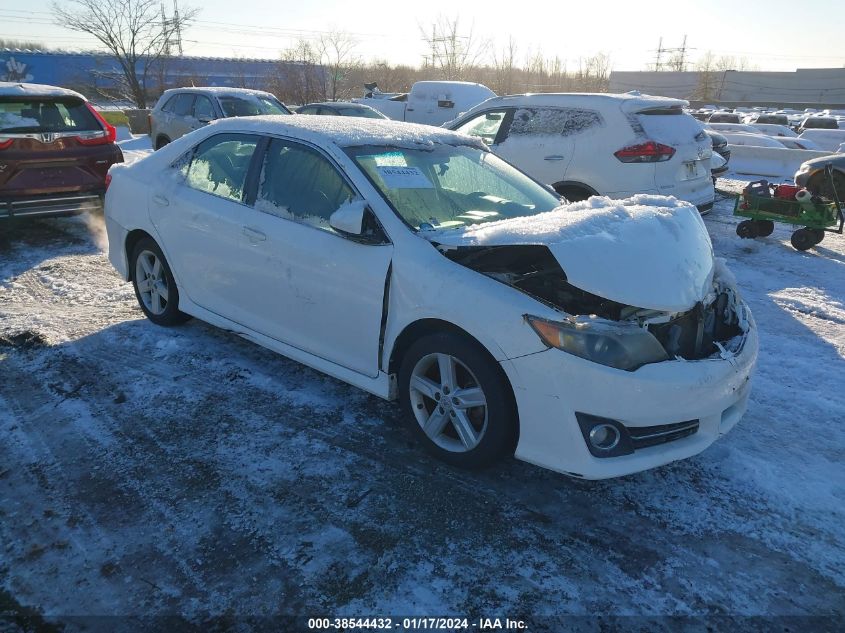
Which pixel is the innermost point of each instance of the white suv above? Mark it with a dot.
(608, 144)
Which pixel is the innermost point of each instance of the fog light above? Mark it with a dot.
(604, 437)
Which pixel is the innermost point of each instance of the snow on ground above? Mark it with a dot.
(148, 471)
(135, 146)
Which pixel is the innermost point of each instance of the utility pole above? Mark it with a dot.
(659, 53)
(678, 62)
(178, 24)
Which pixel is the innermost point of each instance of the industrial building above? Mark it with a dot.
(806, 87)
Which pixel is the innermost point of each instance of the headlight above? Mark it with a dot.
(623, 346)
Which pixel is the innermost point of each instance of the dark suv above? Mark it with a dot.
(55, 151)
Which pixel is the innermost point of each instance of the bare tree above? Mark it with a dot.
(301, 77)
(504, 63)
(22, 44)
(134, 31)
(451, 54)
(337, 54)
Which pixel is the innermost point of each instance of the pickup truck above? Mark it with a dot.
(429, 102)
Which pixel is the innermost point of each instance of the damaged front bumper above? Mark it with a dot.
(551, 388)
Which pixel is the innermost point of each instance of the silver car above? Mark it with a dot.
(183, 110)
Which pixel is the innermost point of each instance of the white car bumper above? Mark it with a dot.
(550, 386)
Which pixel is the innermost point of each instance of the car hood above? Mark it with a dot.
(650, 252)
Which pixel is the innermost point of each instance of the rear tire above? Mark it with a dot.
(155, 287)
(457, 401)
(764, 228)
(746, 229)
(803, 239)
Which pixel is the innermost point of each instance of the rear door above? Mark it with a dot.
(198, 208)
(51, 145)
(541, 140)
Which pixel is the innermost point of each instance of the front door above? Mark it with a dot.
(314, 288)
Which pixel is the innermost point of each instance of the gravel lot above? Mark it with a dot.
(148, 471)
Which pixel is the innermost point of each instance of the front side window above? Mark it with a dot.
(250, 105)
(553, 121)
(485, 126)
(298, 183)
(27, 115)
(220, 164)
(203, 109)
(450, 186)
(182, 104)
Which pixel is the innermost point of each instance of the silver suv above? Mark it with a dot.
(183, 110)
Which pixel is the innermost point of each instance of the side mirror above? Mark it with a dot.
(349, 217)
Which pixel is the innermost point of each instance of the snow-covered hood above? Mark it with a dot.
(646, 251)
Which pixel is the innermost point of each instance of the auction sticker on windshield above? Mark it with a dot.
(404, 178)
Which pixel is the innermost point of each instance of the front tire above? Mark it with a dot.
(457, 401)
(155, 287)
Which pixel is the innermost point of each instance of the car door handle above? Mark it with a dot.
(253, 235)
(555, 157)
(161, 200)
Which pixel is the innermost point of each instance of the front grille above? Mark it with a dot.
(645, 436)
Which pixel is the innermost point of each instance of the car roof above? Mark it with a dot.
(346, 131)
(15, 89)
(341, 104)
(217, 91)
(629, 101)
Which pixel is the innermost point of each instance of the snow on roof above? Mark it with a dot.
(13, 89)
(219, 90)
(628, 100)
(348, 131)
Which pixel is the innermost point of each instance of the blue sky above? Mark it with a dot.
(773, 35)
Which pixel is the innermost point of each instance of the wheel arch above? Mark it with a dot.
(132, 238)
(423, 327)
(569, 185)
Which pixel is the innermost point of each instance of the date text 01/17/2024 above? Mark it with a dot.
(416, 624)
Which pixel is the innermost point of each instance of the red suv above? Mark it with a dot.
(55, 151)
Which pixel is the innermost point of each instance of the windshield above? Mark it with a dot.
(29, 115)
(450, 186)
(251, 105)
(367, 113)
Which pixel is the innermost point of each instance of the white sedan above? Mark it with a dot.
(595, 339)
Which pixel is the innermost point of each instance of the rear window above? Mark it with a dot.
(669, 125)
(821, 123)
(24, 116)
(775, 119)
(251, 105)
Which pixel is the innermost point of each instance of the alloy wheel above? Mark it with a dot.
(448, 402)
(152, 283)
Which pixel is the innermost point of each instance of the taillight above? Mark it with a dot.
(648, 152)
(6, 144)
(94, 138)
(111, 131)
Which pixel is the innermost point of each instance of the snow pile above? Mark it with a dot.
(646, 251)
(598, 216)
